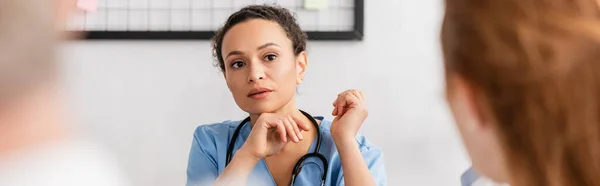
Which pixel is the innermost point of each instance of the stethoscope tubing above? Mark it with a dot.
(300, 162)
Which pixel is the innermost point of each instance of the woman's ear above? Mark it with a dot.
(301, 64)
(467, 102)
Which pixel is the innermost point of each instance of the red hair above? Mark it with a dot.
(536, 66)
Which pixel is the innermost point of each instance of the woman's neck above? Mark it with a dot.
(286, 110)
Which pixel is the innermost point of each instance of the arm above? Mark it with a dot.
(202, 164)
(360, 166)
(238, 170)
(356, 171)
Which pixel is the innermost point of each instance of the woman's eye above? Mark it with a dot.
(237, 64)
(270, 57)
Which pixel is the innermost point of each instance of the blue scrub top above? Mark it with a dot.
(469, 177)
(209, 147)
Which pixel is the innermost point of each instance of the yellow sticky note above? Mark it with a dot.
(315, 4)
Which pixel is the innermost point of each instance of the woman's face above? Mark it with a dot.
(63, 9)
(261, 69)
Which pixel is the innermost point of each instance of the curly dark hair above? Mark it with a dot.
(274, 13)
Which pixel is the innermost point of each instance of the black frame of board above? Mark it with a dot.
(356, 34)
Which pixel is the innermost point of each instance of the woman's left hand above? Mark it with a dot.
(350, 112)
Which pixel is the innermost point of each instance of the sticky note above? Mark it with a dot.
(315, 4)
(87, 5)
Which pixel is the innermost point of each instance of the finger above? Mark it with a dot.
(281, 130)
(303, 125)
(335, 107)
(340, 110)
(355, 93)
(341, 105)
(352, 100)
(362, 98)
(296, 128)
(334, 112)
(290, 130)
(360, 95)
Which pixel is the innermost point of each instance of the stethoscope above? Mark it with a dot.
(300, 162)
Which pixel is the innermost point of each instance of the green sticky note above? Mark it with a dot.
(315, 4)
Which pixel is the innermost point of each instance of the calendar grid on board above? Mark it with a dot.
(203, 15)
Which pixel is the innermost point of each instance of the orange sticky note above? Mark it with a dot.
(87, 5)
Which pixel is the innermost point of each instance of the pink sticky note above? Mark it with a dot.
(87, 5)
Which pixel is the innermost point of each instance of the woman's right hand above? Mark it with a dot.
(271, 133)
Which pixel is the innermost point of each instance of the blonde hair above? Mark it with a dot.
(27, 45)
(535, 64)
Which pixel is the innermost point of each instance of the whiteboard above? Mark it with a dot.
(161, 17)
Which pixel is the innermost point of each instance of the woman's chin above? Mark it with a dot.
(259, 109)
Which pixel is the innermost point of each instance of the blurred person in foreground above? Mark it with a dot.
(36, 144)
(523, 84)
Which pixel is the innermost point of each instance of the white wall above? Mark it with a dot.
(143, 99)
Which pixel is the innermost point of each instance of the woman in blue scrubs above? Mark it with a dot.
(261, 52)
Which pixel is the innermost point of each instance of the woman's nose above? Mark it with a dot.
(257, 72)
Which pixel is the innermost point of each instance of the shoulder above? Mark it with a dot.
(208, 141)
(215, 130)
(364, 144)
(64, 163)
(209, 137)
